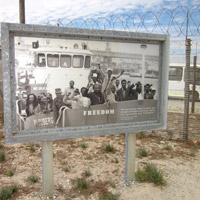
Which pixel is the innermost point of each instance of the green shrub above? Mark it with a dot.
(116, 160)
(10, 172)
(32, 148)
(109, 148)
(142, 134)
(155, 175)
(33, 179)
(143, 152)
(112, 183)
(87, 172)
(65, 168)
(141, 175)
(6, 192)
(81, 184)
(83, 145)
(168, 147)
(192, 153)
(150, 174)
(2, 156)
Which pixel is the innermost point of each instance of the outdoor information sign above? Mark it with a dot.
(61, 83)
(64, 83)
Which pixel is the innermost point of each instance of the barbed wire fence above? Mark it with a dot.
(178, 23)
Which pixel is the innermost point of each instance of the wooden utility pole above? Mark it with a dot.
(22, 11)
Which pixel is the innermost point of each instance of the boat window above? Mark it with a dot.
(87, 61)
(175, 73)
(41, 60)
(78, 61)
(65, 61)
(52, 60)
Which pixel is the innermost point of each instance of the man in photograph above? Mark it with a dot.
(21, 103)
(124, 93)
(139, 91)
(112, 97)
(68, 91)
(117, 82)
(148, 93)
(96, 72)
(57, 103)
(108, 80)
(93, 79)
(96, 97)
(82, 101)
(128, 84)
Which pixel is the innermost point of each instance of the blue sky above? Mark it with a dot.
(42, 11)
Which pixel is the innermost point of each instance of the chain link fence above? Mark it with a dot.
(180, 22)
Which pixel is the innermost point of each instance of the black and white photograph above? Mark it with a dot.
(66, 83)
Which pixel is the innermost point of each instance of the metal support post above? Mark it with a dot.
(47, 169)
(130, 156)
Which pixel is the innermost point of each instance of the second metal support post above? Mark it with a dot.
(47, 169)
(130, 156)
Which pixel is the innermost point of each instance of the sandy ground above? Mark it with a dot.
(178, 106)
(180, 165)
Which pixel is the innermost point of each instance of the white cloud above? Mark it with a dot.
(44, 11)
(41, 10)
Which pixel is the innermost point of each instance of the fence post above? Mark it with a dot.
(194, 84)
(186, 90)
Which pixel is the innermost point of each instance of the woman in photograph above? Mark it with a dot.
(31, 105)
(45, 103)
(49, 102)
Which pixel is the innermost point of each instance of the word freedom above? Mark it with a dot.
(98, 112)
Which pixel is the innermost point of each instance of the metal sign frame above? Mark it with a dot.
(10, 31)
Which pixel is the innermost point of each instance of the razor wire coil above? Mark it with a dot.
(179, 23)
(166, 21)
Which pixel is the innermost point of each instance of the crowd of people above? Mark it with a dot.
(28, 105)
(101, 88)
